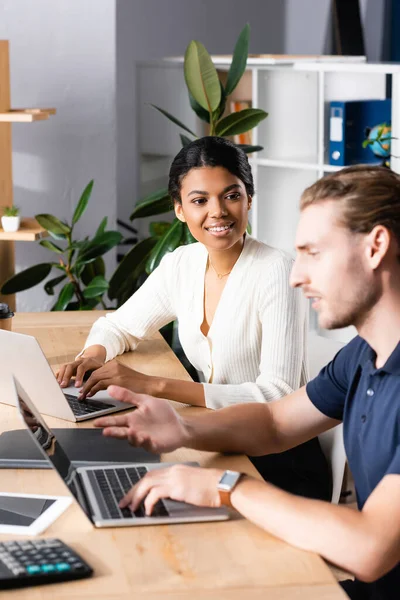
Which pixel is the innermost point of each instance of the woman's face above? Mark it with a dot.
(215, 206)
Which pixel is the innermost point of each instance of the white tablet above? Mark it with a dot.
(29, 514)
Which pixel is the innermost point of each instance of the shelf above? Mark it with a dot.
(26, 115)
(29, 231)
(333, 168)
(287, 164)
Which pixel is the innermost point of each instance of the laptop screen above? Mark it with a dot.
(47, 442)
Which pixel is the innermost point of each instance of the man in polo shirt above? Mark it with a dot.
(348, 261)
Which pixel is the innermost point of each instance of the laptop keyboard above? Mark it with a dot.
(115, 483)
(85, 407)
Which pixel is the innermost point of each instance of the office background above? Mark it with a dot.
(79, 56)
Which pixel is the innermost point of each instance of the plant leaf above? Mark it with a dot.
(26, 279)
(203, 114)
(65, 297)
(156, 204)
(240, 122)
(187, 236)
(99, 245)
(91, 270)
(222, 105)
(172, 118)
(159, 228)
(201, 77)
(131, 266)
(102, 227)
(239, 60)
(248, 149)
(83, 202)
(168, 243)
(53, 225)
(50, 285)
(185, 140)
(96, 287)
(50, 246)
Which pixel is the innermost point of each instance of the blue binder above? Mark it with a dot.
(347, 129)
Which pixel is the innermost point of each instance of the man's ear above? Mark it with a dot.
(179, 212)
(378, 243)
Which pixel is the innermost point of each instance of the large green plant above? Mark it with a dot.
(80, 263)
(207, 97)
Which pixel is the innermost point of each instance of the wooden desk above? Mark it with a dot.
(232, 560)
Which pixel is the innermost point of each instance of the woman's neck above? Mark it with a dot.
(223, 261)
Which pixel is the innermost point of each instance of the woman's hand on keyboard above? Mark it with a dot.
(179, 482)
(115, 373)
(78, 368)
(154, 425)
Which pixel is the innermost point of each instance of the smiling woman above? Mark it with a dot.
(240, 324)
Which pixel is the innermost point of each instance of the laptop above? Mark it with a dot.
(99, 489)
(22, 356)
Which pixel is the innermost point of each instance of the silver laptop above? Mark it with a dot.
(22, 356)
(99, 489)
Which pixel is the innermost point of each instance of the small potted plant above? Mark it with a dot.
(10, 221)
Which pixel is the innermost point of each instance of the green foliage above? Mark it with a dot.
(240, 122)
(80, 262)
(201, 77)
(10, 211)
(207, 97)
(130, 271)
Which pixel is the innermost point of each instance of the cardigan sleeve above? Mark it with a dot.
(147, 310)
(284, 323)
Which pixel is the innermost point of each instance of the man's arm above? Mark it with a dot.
(254, 429)
(366, 543)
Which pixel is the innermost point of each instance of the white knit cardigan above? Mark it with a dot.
(256, 346)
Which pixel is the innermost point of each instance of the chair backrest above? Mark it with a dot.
(320, 352)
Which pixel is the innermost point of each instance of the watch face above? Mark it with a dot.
(228, 480)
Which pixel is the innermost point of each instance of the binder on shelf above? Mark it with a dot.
(348, 123)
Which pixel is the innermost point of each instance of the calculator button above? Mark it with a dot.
(32, 569)
(63, 566)
(48, 568)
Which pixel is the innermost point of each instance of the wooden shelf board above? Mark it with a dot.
(29, 231)
(26, 115)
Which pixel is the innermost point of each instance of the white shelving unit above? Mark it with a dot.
(295, 136)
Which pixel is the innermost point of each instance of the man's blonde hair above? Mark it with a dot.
(367, 195)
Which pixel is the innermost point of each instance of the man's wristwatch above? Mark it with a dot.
(226, 486)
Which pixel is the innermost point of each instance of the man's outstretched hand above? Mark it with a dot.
(154, 425)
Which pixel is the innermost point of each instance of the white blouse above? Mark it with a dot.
(255, 350)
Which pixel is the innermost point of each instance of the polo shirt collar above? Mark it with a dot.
(391, 366)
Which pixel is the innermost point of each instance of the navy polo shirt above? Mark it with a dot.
(367, 400)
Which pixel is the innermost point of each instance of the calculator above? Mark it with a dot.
(26, 562)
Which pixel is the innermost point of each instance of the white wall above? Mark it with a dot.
(62, 54)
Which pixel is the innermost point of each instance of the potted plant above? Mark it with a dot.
(11, 219)
(79, 263)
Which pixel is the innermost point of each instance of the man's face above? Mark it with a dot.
(332, 268)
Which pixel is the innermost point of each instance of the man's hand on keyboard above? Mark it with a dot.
(179, 482)
(154, 425)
